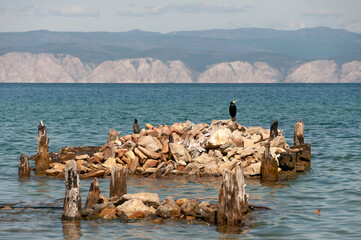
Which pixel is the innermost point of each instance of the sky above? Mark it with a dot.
(176, 15)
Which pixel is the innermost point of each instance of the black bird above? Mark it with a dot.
(233, 110)
(136, 127)
(274, 130)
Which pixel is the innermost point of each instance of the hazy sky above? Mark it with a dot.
(173, 15)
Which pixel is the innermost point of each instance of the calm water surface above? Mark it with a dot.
(83, 114)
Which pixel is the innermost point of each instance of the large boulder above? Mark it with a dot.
(168, 208)
(220, 137)
(135, 207)
(151, 143)
(179, 152)
(145, 197)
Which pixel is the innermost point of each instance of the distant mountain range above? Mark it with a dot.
(239, 55)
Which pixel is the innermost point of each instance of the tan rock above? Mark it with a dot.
(149, 126)
(135, 205)
(179, 152)
(181, 201)
(149, 153)
(221, 137)
(151, 143)
(145, 197)
(279, 141)
(204, 158)
(99, 156)
(140, 155)
(81, 157)
(165, 148)
(110, 163)
(253, 169)
(150, 163)
(108, 213)
(57, 166)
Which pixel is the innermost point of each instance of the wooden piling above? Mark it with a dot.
(93, 195)
(299, 133)
(232, 199)
(118, 182)
(269, 166)
(72, 199)
(24, 167)
(42, 159)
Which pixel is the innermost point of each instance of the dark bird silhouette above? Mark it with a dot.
(136, 127)
(233, 110)
(274, 130)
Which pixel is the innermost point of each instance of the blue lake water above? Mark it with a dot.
(82, 114)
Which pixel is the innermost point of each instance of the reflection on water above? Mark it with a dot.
(72, 230)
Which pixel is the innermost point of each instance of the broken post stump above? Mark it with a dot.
(269, 166)
(24, 167)
(72, 199)
(93, 195)
(113, 135)
(43, 141)
(274, 130)
(299, 133)
(118, 182)
(42, 159)
(232, 199)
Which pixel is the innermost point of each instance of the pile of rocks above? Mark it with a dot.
(184, 148)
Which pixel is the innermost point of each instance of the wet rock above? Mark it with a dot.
(286, 162)
(133, 206)
(108, 213)
(168, 208)
(100, 206)
(179, 152)
(190, 207)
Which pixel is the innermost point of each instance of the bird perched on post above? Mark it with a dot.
(136, 127)
(233, 110)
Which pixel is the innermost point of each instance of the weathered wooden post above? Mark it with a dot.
(299, 133)
(113, 135)
(274, 130)
(72, 199)
(118, 182)
(24, 167)
(232, 199)
(93, 195)
(42, 159)
(269, 166)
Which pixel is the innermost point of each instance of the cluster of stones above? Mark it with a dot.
(228, 212)
(187, 148)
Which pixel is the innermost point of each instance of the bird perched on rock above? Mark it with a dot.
(233, 110)
(136, 127)
(274, 130)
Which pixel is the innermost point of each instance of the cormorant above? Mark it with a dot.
(233, 110)
(136, 127)
(274, 130)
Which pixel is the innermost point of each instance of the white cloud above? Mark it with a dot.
(74, 11)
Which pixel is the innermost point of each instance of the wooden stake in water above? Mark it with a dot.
(118, 182)
(269, 166)
(299, 133)
(24, 167)
(72, 199)
(232, 199)
(93, 196)
(42, 159)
